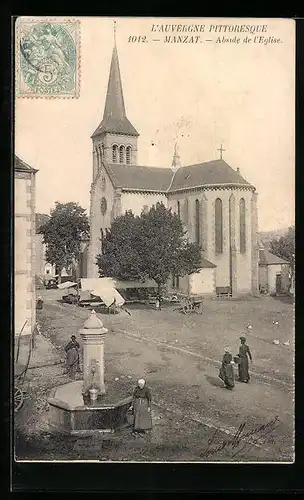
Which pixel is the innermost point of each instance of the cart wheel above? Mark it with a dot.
(18, 399)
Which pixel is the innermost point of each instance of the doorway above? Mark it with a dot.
(278, 283)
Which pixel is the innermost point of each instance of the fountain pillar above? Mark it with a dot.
(84, 407)
(93, 334)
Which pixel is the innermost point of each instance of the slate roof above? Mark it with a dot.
(140, 178)
(268, 258)
(21, 166)
(211, 172)
(115, 125)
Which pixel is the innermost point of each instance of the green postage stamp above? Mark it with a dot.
(47, 58)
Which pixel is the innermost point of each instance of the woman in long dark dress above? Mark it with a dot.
(141, 408)
(244, 353)
(226, 370)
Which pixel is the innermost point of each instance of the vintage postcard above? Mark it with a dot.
(154, 239)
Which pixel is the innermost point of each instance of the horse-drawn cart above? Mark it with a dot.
(190, 304)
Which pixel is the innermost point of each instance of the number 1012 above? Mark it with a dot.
(134, 39)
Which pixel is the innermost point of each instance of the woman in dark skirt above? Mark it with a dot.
(226, 371)
(244, 353)
(141, 408)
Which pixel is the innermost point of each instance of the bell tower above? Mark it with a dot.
(115, 139)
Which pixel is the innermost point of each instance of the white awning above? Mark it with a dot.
(108, 295)
(66, 284)
(103, 288)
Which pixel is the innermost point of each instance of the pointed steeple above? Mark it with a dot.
(114, 116)
(115, 106)
(176, 163)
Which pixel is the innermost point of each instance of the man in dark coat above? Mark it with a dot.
(72, 353)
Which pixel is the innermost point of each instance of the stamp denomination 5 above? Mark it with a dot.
(47, 58)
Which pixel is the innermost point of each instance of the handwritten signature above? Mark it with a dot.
(256, 436)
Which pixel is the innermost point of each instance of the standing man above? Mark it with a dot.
(72, 353)
(244, 354)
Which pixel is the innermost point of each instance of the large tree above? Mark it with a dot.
(152, 245)
(284, 247)
(120, 257)
(63, 233)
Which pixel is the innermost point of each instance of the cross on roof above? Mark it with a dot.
(114, 29)
(221, 151)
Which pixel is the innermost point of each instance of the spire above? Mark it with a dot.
(176, 163)
(115, 106)
(114, 116)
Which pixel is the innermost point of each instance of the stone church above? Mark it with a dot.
(217, 206)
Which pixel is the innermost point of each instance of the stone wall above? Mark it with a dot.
(101, 188)
(108, 140)
(25, 268)
(137, 201)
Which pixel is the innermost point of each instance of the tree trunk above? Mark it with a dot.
(58, 272)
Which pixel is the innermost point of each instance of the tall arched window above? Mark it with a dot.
(218, 216)
(197, 221)
(102, 150)
(122, 154)
(99, 157)
(115, 153)
(242, 226)
(178, 209)
(128, 155)
(185, 211)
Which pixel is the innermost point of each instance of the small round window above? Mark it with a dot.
(103, 206)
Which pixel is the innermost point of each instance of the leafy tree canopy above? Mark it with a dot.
(284, 247)
(152, 245)
(63, 233)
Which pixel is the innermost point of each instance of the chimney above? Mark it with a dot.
(238, 170)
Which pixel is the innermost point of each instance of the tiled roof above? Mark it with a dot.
(212, 172)
(21, 166)
(165, 180)
(139, 178)
(268, 258)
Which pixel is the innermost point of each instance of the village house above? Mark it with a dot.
(24, 235)
(274, 273)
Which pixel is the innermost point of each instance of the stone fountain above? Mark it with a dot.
(86, 407)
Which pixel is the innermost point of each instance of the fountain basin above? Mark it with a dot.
(72, 413)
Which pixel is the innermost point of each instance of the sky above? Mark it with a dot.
(202, 95)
